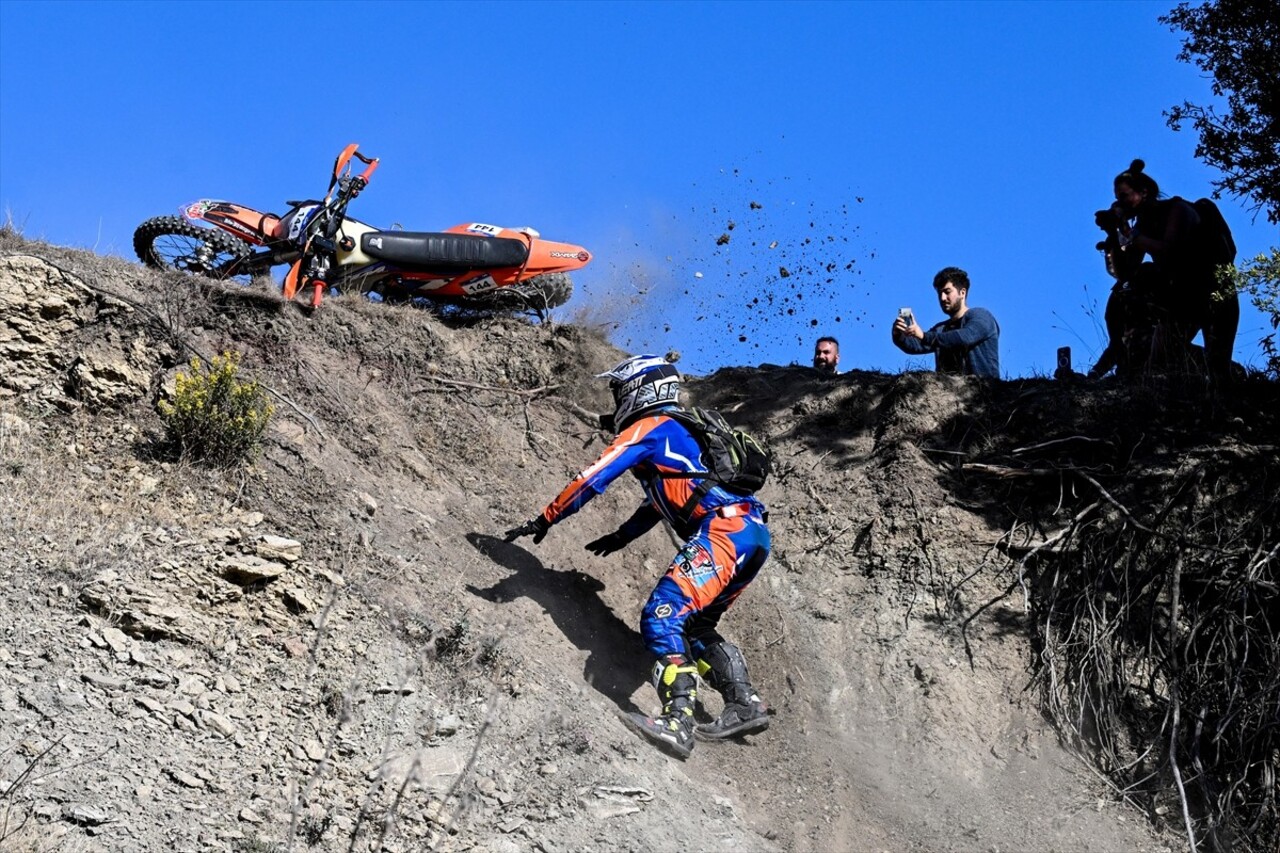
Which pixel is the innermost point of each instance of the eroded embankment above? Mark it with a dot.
(396, 676)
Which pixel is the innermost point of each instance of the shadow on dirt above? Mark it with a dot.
(615, 651)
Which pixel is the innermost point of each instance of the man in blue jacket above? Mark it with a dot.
(967, 343)
(726, 542)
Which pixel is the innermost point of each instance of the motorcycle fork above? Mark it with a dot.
(316, 277)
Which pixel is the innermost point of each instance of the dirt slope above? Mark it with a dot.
(334, 649)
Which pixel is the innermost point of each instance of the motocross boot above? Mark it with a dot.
(675, 679)
(725, 669)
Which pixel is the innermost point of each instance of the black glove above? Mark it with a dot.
(607, 544)
(536, 527)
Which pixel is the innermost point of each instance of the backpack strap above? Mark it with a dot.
(695, 497)
(691, 423)
(698, 492)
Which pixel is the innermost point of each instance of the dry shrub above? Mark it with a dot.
(1156, 614)
(215, 417)
(1160, 650)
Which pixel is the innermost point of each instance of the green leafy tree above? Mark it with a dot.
(1236, 42)
(1259, 279)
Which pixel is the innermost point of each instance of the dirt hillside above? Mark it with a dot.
(332, 649)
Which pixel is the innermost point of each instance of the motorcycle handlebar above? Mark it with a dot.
(371, 162)
(323, 226)
(343, 163)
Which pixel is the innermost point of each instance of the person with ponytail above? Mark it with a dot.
(1188, 297)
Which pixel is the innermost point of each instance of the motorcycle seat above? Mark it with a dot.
(453, 251)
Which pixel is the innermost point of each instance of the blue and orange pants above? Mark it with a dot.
(710, 571)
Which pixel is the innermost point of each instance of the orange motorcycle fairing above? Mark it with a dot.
(544, 255)
(547, 256)
(324, 247)
(469, 283)
(291, 279)
(252, 226)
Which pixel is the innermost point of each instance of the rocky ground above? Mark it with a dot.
(333, 649)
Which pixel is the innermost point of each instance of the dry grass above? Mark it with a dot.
(1155, 609)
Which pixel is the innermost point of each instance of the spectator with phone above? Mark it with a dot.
(967, 343)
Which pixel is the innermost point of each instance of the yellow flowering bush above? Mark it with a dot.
(215, 417)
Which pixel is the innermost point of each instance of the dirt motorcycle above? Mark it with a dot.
(472, 265)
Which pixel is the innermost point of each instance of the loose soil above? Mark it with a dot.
(397, 677)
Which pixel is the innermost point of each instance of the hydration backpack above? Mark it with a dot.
(1216, 243)
(734, 459)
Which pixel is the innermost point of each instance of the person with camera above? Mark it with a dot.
(967, 343)
(1129, 316)
(1183, 288)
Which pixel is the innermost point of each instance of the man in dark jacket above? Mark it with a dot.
(967, 343)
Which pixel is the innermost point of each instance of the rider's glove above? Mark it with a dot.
(607, 544)
(536, 527)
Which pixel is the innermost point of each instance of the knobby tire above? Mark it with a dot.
(174, 244)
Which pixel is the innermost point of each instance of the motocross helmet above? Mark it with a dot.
(641, 384)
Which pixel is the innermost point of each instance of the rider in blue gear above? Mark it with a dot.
(726, 544)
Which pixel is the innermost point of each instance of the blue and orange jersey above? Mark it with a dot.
(648, 448)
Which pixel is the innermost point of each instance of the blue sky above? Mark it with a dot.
(874, 143)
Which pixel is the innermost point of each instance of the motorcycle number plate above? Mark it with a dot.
(487, 230)
(301, 218)
(476, 285)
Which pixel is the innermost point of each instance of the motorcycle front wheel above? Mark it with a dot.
(173, 243)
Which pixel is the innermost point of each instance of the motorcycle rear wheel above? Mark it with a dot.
(172, 243)
(540, 293)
